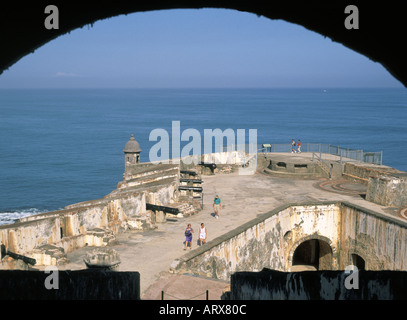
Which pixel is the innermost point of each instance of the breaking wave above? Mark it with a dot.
(13, 216)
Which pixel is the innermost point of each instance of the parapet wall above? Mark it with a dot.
(71, 285)
(91, 223)
(318, 285)
(362, 172)
(390, 190)
(95, 222)
(270, 241)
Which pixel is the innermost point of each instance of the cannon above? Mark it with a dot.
(191, 180)
(154, 207)
(211, 166)
(16, 256)
(196, 189)
(191, 173)
(27, 260)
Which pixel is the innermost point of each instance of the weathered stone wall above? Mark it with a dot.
(305, 222)
(379, 240)
(24, 237)
(270, 241)
(390, 190)
(147, 173)
(361, 172)
(230, 157)
(163, 196)
(318, 285)
(283, 166)
(69, 229)
(90, 223)
(267, 241)
(72, 285)
(262, 161)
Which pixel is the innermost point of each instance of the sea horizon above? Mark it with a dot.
(64, 145)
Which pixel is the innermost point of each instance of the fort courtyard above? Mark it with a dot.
(244, 197)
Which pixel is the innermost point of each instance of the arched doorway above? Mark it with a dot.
(313, 254)
(358, 261)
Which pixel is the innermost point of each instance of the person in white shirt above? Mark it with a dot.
(202, 234)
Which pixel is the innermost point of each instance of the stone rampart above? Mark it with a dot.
(319, 285)
(72, 285)
(342, 230)
(389, 190)
(92, 223)
(361, 172)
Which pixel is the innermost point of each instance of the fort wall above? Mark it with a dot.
(343, 231)
(72, 285)
(362, 172)
(319, 285)
(340, 232)
(48, 236)
(388, 190)
(91, 223)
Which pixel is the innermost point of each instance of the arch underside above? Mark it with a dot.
(379, 37)
(313, 252)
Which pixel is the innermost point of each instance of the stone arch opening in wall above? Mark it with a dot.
(312, 254)
(358, 261)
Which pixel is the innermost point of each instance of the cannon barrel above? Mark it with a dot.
(197, 189)
(208, 165)
(191, 173)
(27, 260)
(191, 180)
(154, 207)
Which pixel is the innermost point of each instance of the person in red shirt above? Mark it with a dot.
(299, 146)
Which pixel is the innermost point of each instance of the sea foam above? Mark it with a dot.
(13, 216)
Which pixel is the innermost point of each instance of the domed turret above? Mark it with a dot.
(131, 152)
(132, 146)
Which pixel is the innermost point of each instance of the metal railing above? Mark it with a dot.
(344, 154)
(326, 166)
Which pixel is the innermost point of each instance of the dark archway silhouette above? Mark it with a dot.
(358, 261)
(314, 252)
(380, 36)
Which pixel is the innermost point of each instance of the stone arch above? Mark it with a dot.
(380, 42)
(312, 253)
(358, 261)
(362, 247)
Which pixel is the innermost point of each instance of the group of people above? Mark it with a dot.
(298, 146)
(217, 206)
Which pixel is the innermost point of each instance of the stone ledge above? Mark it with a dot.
(298, 175)
(178, 264)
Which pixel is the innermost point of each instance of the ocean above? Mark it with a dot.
(64, 146)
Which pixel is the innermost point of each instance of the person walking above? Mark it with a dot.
(217, 206)
(202, 235)
(292, 146)
(299, 146)
(188, 237)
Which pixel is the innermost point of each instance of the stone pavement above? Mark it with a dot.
(243, 198)
(185, 287)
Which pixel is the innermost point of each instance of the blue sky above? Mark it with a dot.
(194, 48)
